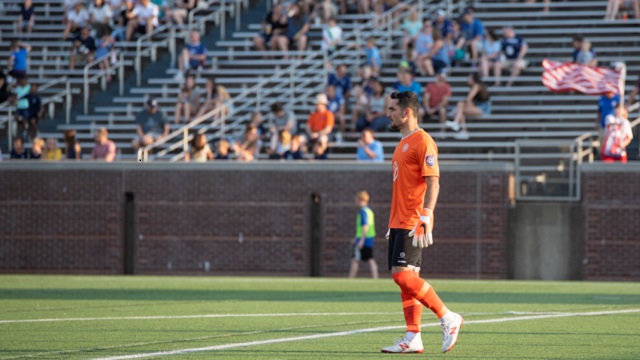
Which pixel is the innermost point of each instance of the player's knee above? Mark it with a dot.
(403, 279)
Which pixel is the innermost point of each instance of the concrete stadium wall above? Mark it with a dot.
(232, 218)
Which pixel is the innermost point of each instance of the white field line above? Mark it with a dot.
(203, 316)
(354, 332)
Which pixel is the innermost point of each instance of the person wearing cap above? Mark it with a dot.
(436, 98)
(152, 125)
(514, 48)
(473, 31)
(104, 149)
(443, 23)
(320, 123)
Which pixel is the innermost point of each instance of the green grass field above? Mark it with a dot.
(95, 317)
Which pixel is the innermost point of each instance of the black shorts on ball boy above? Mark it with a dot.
(401, 250)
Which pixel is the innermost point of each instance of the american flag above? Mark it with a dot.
(563, 77)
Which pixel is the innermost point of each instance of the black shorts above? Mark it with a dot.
(141, 29)
(401, 250)
(438, 65)
(366, 253)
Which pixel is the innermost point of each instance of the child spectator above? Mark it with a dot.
(295, 150)
(365, 235)
(617, 136)
(586, 56)
(194, 55)
(83, 49)
(341, 80)
(373, 56)
(51, 151)
(272, 26)
(100, 17)
(36, 149)
(104, 149)
(491, 52)
(18, 59)
(72, 150)
(514, 49)
(436, 98)
(77, 19)
(297, 28)
(27, 18)
(35, 111)
(18, 151)
(578, 42)
(331, 36)
(369, 149)
(223, 150)
(199, 151)
(188, 102)
(282, 145)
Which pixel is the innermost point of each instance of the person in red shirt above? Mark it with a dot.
(436, 98)
(416, 179)
(319, 126)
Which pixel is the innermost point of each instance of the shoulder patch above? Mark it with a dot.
(430, 159)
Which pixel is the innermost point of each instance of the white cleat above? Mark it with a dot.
(405, 346)
(450, 332)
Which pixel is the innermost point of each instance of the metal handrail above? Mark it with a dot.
(170, 41)
(218, 16)
(102, 75)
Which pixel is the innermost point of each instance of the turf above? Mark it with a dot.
(613, 336)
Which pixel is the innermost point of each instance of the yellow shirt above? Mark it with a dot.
(52, 155)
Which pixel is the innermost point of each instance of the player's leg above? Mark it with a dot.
(353, 271)
(373, 265)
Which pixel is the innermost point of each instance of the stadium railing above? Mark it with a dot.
(102, 75)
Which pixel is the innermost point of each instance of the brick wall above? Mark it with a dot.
(235, 218)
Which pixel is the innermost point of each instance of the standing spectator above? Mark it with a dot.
(442, 23)
(123, 20)
(331, 36)
(104, 149)
(373, 56)
(606, 107)
(337, 106)
(103, 48)
(18, 151)
(83, 49)
(18, 59)
(194, 55)
(22, 103)
(272, 26)
(51, 151)
(472, 30)
(295, 150)
(514, 49)
(320, 125)
(477, 103)
(199, 151)
(100, 17)
(27, 18)
(36, 149)
(143, 19)
(365, 235)
(407, 83)
(35, 111)
(223, 150)
(614, 6)
(369, 149)
(410, 28)
(188, 102)
(341, 80)
(375, 117)
(152, 125)
(72, 150)
(297, 28)
(77, 19)
(617, 136)
(491, 52)
(436, 98)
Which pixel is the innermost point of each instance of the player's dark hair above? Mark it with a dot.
(407, 99)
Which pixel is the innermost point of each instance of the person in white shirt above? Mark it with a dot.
(77, 18)
(143, 19)
(101, 16)
(331, 36)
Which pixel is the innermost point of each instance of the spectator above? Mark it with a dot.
(258, 122)
(18, 151)
(320, 125)
(632, 95)
(422, 49)
(324, 10)
(188, 102)
(369, 149)
(51, 151)
(295, 150)
(18, 59)
(273, 25)
(104, 46)
(331, 36)
(143, 19)
(407, 62)
(319, 150)
(223, 150)
(282, 145)
(224, 102)
(455, 44)
(373, 56)
(341, 80)
(36, 148)
(514, 49)
(491, 52)
(83, 49)
(77, 19)
(477, 103)
(27, 18)
(104, 149)
(337, 106)
(282, 120)
(35, 111)
(199, 151)
(21, 91)
(211, 97)
(617, 136)
(375, 117)
(547, 4)
(410, 29)
(365, 235)
(5, 94)
(152, 125)
(246, 147)
(583, 52)
(606, 107)
(297, 28)
(123, 20)
(73, 150)
(614, 7)
(100, 17)
(436, 98)
(194, 55)
(406, 83)
(442, 23)
(362, 91)
(472, 30)
(436, 58)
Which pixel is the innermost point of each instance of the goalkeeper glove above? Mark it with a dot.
(386, 236)
(421, 233)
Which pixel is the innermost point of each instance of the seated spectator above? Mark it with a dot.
(143, 19)
(104, 149)
(211, 97)
(103, 48)
(473, 31)
(373, 56)
(152, 125)
(442, 23)
(436, 98)
(120, 32)
(369, 149)
(585, 56)
(281, 120)
(258, 122)
(246, 148)
(282, 145)
(320, 124)
(36, 148)
(77, 19)
(361, 92)
(514, 49)
(188, 102)
(406, 83)
(176, 12)
(337, 106)
(614, 7)
(223, 150)
(477, 103)
(83, 49)
(407, 62)
(35, 111)
(491, 52)
(100, 16)
(27, 18)
(72, 150)
(617, 136)
(341, 80)
(375, 117)
(295, 150)
(199, 151)
(547, 4)
(297, 28)
(579, 51)
(456, 44)
(273, 25)
(410, 29)
(21, 90)
(18, 59)
(437, 57)
(18, 151)
(331, 36)
(51, 151)
(224, 102)
(606, 107)
(193, 56)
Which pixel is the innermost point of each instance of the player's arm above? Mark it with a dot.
(365, 229)
(433, 189)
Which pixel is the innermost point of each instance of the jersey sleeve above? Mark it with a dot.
(427, 155)
(363, 218)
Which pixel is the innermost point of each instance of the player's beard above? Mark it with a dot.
(395, 127)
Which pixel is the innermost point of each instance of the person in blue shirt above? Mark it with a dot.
(514, 49)
(194, 54)
(369, 149)
(373, 56)
(607, 106)
(341, 80)
(406, 83)
(442, 23)
(337, 106)
(473, 31)
(365, 235)
(18, 59)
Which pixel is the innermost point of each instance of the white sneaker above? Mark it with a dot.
(450, 331)
(453, 125)
(179, 76)
(405, 346)
(462, 135)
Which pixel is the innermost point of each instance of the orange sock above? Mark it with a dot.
(413, 285)
(412, 312)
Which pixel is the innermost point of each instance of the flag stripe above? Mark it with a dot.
(563, 77)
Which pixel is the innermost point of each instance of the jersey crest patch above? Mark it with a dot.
(431, 160)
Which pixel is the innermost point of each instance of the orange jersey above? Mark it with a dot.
(318, 121)
(415, 158)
